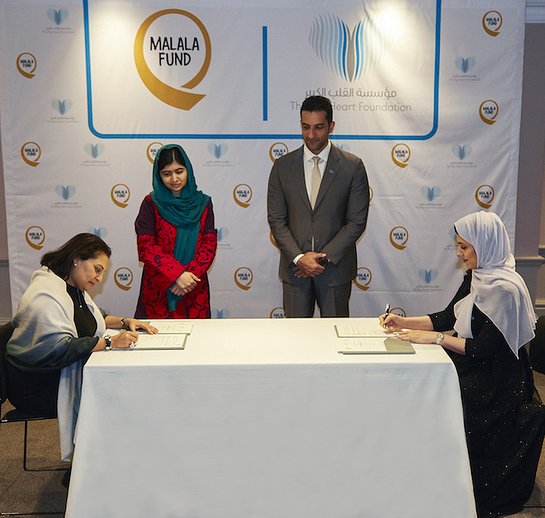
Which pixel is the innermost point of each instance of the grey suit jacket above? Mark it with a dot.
(337, 221)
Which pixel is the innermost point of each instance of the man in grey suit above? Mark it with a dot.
(317, 205)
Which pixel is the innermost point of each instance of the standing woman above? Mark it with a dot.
(176, 241)
(492, 317)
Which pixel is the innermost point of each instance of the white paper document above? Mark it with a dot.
(173, 327)
(157, 341)
(361, 345)
(374, 345)
(160, 341)
(355, 330)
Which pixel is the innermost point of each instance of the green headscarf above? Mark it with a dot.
(184, 212)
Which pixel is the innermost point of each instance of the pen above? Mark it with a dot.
(387, 310)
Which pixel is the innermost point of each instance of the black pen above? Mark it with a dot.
(387, 309)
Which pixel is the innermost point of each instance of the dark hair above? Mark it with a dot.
(168, 156)
(82, 246)
(317, 103)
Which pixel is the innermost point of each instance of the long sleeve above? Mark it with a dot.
(355, 217)
(45, 336)
(207, 243)
(278, 214)
(155, 244)
(487, 338)
(444, 320)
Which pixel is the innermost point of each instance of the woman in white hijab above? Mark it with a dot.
(491, 318)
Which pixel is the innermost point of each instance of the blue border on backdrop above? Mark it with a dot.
(265, 107)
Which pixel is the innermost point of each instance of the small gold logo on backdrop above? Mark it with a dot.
(123, 278)
(31, 153)
(399, 237)
(35, 237)
(120, 195)
(401, 154)
(243, 278)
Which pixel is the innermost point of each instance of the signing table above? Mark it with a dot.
(263, 418)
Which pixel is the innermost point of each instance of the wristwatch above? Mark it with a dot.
(439, 338)
(124, 324)
(108, 340)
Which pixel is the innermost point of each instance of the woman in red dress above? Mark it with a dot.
(176, 241)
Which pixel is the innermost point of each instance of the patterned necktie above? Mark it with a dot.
(316, 179)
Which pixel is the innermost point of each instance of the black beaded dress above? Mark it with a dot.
(504, 424)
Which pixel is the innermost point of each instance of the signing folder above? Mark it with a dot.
(160, 341)
(355, 339)
(153, 342)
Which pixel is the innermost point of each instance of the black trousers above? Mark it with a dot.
(33, 392)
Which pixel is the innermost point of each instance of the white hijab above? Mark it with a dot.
(496, 288)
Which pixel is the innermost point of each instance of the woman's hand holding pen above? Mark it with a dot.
(391, 322)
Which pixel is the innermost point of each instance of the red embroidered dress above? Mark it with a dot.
(155, 240)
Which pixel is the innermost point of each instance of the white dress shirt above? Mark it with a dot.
(308, 164)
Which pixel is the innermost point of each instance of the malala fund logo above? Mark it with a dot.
(492, 22)
(35, 237)
(123, 278)
(399, 237)
(172, 52)
(242, 194)
(488, 111)
(484, 196)
(120, 195)
(31, 153)
(26, 65)
(363, 278)
(152, 149)
(243, 278)
(401, 153)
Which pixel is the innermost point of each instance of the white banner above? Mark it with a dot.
(427, 92)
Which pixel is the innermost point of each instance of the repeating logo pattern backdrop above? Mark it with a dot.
(427, 92)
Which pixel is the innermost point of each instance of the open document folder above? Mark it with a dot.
(160, 341)
(172, 334)
(354, 339)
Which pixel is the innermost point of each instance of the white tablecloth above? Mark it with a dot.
(264, 419)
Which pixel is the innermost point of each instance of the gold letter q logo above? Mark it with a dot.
(399, 236)
(243, 278)
(164, 92)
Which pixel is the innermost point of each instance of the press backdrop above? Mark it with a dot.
(427, 92)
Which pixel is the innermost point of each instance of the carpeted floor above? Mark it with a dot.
(22, 491)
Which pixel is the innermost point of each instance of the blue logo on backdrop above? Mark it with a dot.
(220, 313)
(427, 275)
(223, 232)
(61, 106)
(465, 64)
(99, 232)
(65, 191)
(339, 49)
(57, 16)
(462, 151)
(217, 150)
(430, 193)
(94, 150)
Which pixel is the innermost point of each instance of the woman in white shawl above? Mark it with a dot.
(56, 327)
(491, 318)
